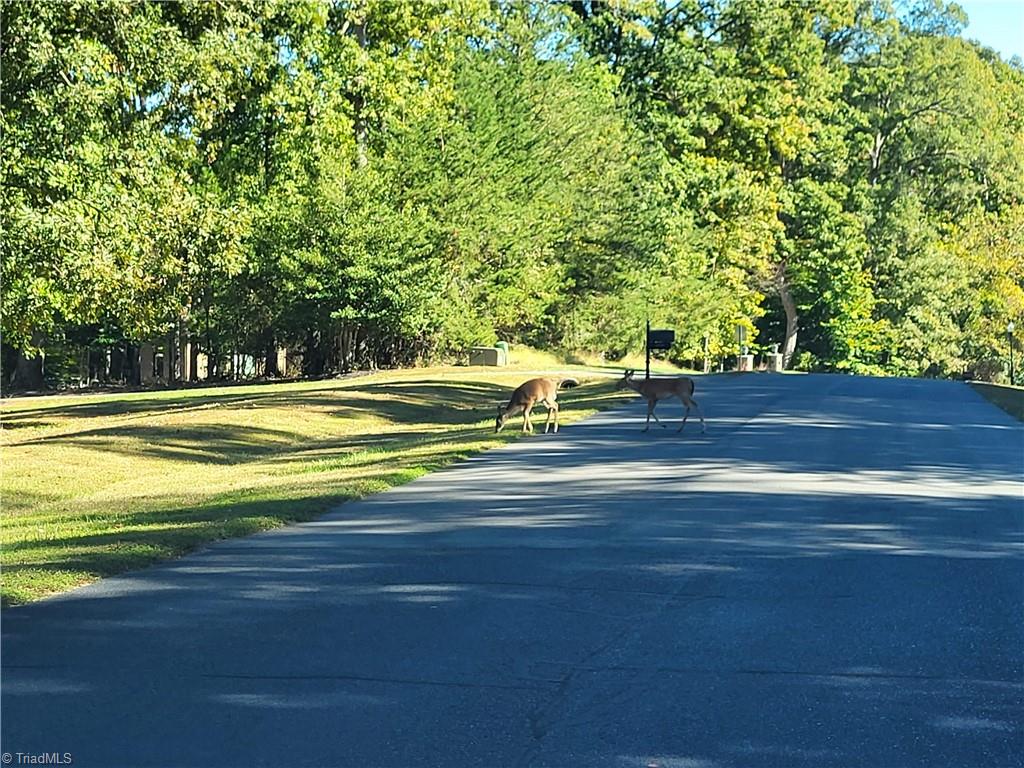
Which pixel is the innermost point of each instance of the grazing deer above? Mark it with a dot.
(662, 389)
(527, 395)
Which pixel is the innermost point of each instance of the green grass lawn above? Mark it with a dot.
(94, 485)
(1010, 399)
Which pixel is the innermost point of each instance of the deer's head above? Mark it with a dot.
(502, 418)
(627, 377)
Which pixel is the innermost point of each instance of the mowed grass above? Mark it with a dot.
(94, 485)
(1010, 399)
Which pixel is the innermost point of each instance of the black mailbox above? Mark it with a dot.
(660, 339)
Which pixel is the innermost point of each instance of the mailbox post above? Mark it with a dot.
(744, 361)
(1010, 326)
(657, 340)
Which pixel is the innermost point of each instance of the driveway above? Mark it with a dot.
(831, 576)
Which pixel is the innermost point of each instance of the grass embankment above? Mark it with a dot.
(95, 485)
(1010, 399)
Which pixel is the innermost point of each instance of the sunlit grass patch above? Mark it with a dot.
(528, 359)
(97, 485)
(635, 362)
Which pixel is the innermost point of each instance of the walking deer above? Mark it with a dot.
(527, 395)
(662, 389)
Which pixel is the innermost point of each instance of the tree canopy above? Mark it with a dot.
(385, 182)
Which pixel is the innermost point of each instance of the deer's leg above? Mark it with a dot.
(509, 413)
(686, 412)
(700, 413)
(527, 422)
(552, 412)
(688, 403)
(651, 405)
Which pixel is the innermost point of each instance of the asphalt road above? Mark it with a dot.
(832, 576)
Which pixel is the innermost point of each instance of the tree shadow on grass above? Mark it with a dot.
(143, 538)
(427, 402)
(415, 398)
(370, 462)
(435, 408)
(443, 393)
(148, 536)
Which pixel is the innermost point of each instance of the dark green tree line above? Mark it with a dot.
(386, 182)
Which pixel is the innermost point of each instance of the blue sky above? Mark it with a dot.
(998, 24)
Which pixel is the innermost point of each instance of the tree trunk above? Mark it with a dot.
(170, 358)
(314, 357)
(184, 353)
(115, 364)
(29, 371)
(875, 154)
(146, 361)
(792, 318)
(358, 101)
(212, 358)
(83, 367)
(97, 364)
(270, 368)
(133, 372)
(344, 347)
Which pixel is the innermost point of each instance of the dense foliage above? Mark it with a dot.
(382, 182)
